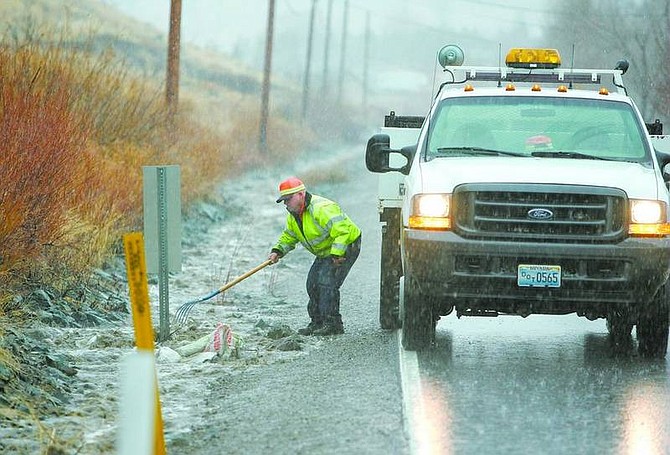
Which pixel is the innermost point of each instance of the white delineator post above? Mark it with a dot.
(141, 421)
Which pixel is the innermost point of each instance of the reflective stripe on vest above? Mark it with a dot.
(315, 237)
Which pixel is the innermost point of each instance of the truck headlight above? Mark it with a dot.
(430, 211)
(648, 218)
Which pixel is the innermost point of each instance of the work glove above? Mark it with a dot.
(338, 260)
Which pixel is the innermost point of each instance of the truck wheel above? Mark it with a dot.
(619, 326)
(391, 270)
(653, 325)
(418, 323)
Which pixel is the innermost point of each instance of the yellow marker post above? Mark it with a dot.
(139, 298)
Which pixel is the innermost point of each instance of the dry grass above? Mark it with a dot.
(76, 129)
(41, 163)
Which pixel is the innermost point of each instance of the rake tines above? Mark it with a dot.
(182, 312)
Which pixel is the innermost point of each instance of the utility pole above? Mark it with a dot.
(305, 86)
(265, 95)
(326, 48)
(172, 77)
(340, 82)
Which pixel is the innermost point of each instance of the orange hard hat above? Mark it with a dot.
(290, 186)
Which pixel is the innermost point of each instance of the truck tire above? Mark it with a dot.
(653, 325)
(619, 326)
(418, 321)
(391, 270)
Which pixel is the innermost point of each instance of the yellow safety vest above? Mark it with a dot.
(326, 230)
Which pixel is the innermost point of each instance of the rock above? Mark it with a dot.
(92, 342)
(211, 212)
(167, 355)
(278, 332)
(261, 324)
(103, 274)
(114, 338)
(42, 296)
(5, 373)
(59, 362)
(288, 344)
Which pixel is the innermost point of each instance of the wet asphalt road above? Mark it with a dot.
(507, 385)
(545, 384)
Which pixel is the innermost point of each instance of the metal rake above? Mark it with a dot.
(183, 311)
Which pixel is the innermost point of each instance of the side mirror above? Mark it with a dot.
(378, 152)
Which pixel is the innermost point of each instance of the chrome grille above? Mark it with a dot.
(547, 213)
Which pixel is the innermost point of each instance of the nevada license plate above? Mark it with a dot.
(538, 276)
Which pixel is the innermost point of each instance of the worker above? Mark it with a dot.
(321, 226)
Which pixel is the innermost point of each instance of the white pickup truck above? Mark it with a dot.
(527, 189)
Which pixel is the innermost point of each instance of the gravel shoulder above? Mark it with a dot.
(282, 393)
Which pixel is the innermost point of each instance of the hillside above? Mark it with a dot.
(209, 82)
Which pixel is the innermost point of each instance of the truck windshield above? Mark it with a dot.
(573, 128)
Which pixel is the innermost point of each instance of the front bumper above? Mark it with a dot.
(476, 274)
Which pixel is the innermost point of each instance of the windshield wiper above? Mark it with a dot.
(572, 155)
(475, 151)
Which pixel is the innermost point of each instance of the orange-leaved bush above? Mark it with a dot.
(41, 159)
(75, 131)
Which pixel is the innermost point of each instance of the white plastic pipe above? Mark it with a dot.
(137, 404)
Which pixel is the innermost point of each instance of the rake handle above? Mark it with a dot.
(243, 276)
(182, 311)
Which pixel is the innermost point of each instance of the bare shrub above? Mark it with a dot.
(42, 144)
(76, 129)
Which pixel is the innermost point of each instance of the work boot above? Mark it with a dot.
(329, 329)
(311, 327)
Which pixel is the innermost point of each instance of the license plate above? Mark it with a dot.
(538, 276)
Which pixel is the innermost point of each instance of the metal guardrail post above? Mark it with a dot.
(163, 276)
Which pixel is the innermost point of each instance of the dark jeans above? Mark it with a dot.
(323, 286)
